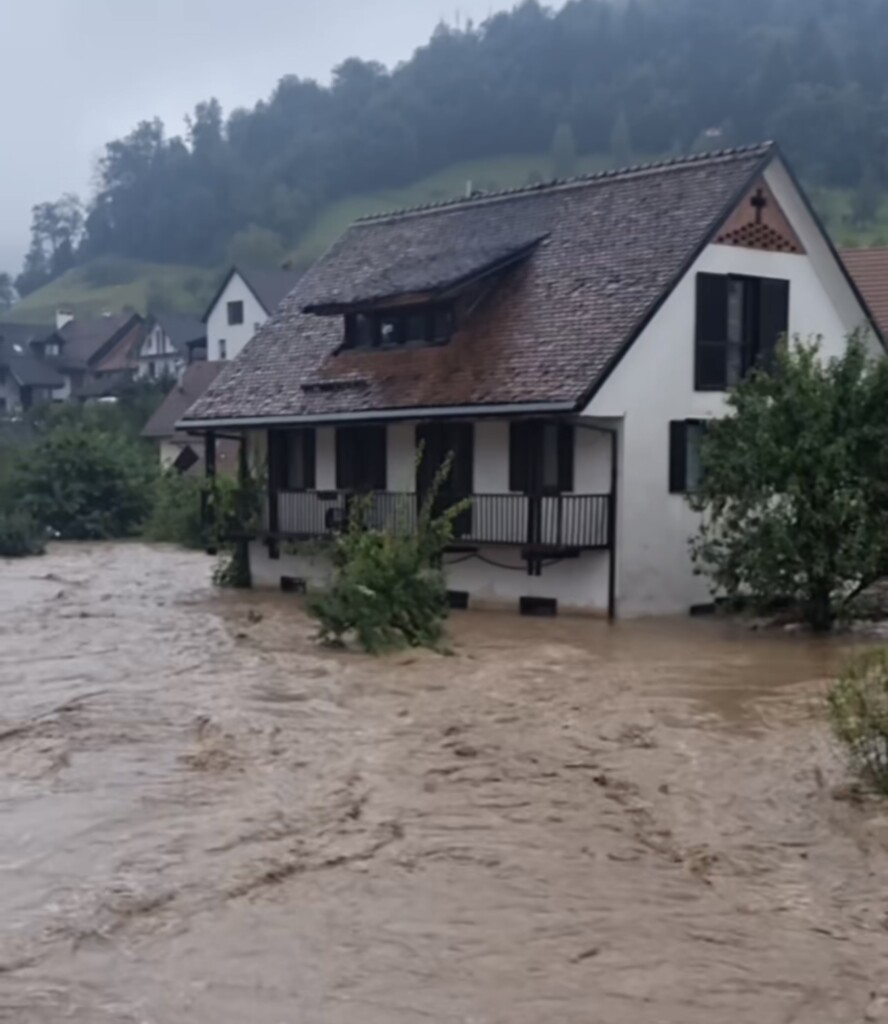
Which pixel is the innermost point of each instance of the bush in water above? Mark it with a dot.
(20, 536)
(858, 712)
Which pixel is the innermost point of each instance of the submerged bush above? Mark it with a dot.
(20, 536)
(86, 484)
(176, 512)
(858, 711)
(388, 589)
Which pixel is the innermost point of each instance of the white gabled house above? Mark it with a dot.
(171, 342)
(245, 300)
(565, 342)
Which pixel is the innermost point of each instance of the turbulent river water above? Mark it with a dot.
(205, 818)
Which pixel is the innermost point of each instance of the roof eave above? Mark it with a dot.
(381, 415)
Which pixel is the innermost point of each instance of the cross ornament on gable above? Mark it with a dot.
(758, 203)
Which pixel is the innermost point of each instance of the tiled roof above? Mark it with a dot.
(613, 247)
(85, 339)
(196, 380)
(182, 330)
(869, 269)
(17, 357)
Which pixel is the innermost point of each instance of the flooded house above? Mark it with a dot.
(565, 343)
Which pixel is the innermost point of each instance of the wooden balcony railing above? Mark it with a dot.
(579, 521)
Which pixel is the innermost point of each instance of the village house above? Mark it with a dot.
(566, 342)
(177, 450)
(171, 342)
(25, 379)
(243, 303)
(93, 355)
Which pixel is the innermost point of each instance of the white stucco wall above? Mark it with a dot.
(235, 336)
(654, 384)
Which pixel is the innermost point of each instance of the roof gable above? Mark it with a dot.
(613, 247)
(269, 287)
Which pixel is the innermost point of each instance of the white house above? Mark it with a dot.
(244, 301)
(565, 342)
(170, 343)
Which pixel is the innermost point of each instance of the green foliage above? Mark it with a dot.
(674, 69)
(389, 590)
(85, 483)
(621, 141)
(794, 493)
(858, 713)
(20, 536)
(564, 151)
(176, 511)
(235, 509)
(108, 270)
(867, 198)
(259, 248)
(7, 292)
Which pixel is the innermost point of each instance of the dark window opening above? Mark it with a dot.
(685, 438)
(740, 320)
(361, 459)
(235, 313)
(541, 457)
(394, 328)
(292, 459)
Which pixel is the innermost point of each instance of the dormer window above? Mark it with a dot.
(427, 325)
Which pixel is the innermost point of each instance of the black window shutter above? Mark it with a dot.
(773, 316)
(519, 456)
(277, 479)
(711, 348)
(566, 441)
(344, 459)
(378, 460)
(678, 457)
(309, 458)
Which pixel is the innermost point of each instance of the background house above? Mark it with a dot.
(171, 341)
(83, 351)
(869, 268)
(25, 378)
(177, 449)
(244, 301)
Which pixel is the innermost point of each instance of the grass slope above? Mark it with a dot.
(111, 285)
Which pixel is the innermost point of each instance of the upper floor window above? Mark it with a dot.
(235, 313)
(223, 349)
(51, 348)
(430, 325)
(739, 322)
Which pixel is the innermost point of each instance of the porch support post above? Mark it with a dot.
(209, 494)
(273, 458)
(242, 542)
(612, 531)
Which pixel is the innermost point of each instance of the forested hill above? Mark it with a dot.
(621, 79)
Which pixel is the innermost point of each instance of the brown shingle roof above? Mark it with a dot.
(613, 247)
(869, 269)
(86, 339)
(197, 378)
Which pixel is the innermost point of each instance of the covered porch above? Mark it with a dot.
(539, 496)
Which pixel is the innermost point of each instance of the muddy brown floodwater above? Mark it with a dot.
(206, 819)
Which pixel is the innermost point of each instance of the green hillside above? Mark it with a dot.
(110, 284)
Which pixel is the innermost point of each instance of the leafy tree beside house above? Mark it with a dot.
(794, 489)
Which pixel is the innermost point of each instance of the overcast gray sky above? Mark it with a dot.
(78, 73)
